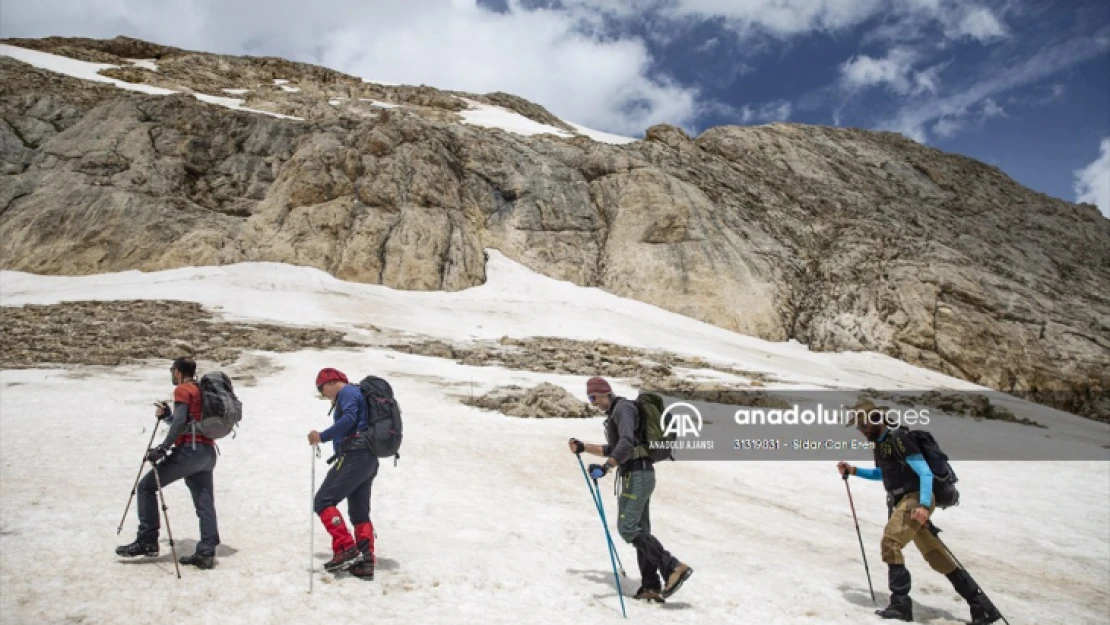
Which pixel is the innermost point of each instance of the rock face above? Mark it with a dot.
(843, 239)
(114, 333)
(544, 400)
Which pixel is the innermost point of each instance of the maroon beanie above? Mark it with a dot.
(598, 386)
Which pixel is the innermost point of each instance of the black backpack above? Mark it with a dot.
(945, 493)
(221, 410)
(385, 433)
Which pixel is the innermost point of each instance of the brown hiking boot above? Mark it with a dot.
(363, 568)
(343, 558)
(648, 595)
(676, 579)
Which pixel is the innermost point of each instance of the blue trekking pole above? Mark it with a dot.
(596, 496)
(594, 492)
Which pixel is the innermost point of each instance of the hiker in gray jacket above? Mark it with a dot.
(623, 438)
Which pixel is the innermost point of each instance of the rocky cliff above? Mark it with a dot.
(843, 239)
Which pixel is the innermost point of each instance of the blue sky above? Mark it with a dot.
(1021, 84)
(1028, 91)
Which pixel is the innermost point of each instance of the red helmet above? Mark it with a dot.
(329, 375)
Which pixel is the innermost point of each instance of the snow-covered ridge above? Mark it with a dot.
(91, 71)
(489, 116)
(477, 114)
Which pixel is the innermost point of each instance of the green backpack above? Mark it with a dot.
(649, 429)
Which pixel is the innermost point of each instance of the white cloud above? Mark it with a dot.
(894, 71)
(917, 20)
(1092, 183)
(778, 110)
(981, 24)
(556, 58)
(947, 127)
(709, 45)
(992, 109)
(926, 112)
(928, 80)
(780, 18)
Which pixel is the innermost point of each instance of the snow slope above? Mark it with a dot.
(85, 70)
(488, 116)
(487, 518)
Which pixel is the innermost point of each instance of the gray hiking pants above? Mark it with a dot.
(195, 467)
(634, 525)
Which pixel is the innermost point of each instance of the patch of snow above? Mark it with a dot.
(480, 114)
(599, 136)
(90, 71)
(288, 89)
(381, 82)
(379, 104)
(77, 69)
(145, 64)
(487, 116)
(280, 81)
(237, 91)
(237, 104)
(334, 102)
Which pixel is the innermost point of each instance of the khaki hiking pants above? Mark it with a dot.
(901, 529)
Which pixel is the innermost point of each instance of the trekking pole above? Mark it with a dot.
(612, 551)
(138, 475)
(935, 531)
(860, 536)
(596, 496)
(612, 545)
(166, 515)
(312, 520)
(608, 537)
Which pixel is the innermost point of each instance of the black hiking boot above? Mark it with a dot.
(648, 595)
(136, 549)
(343, 559)
(900, 609)
(983, 611)
(199, 561)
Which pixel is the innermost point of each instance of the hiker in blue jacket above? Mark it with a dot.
(901, 466)
(350, 476)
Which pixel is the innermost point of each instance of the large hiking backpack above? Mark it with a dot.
(385, 433)
(221, 410)
(945, 493)
(650, 429)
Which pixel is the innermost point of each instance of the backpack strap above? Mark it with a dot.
(641, 449)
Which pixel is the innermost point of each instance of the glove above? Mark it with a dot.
(598, 471)
(155, 454)
(163, 410)
(579, 446)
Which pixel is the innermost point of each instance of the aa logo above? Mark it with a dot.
(680, 420)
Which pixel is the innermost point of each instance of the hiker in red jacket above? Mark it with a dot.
(184, 454)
